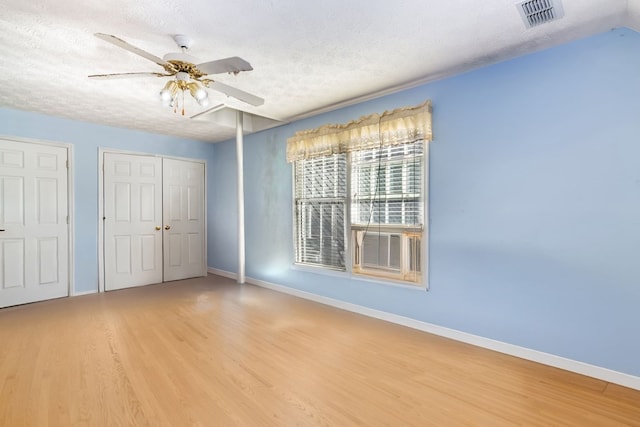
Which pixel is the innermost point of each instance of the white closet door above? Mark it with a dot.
(183, 213)
(133, 220)
(34, 241)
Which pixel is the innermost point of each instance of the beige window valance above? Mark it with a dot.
(389, 128)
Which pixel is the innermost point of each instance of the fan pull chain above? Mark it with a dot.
(183, 102)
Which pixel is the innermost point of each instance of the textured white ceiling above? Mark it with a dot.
(307, 56)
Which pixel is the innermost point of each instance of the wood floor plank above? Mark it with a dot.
(209, 352)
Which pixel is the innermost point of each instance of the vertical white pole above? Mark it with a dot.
(239, 155)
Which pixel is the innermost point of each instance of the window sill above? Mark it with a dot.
(360, 277)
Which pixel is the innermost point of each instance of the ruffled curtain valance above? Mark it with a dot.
(389, 128)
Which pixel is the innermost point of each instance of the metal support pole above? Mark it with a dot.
(239, 155)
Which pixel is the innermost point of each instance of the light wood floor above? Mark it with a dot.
(208, 352)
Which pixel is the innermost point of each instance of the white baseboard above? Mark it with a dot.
(222, 273)
(77, 294)
(582, 368)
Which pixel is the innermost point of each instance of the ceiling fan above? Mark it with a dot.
(189, 75)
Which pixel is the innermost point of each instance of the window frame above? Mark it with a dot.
(422, 284)
(345, 220)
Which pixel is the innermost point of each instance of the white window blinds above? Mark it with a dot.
(320, 206)
(387, 185)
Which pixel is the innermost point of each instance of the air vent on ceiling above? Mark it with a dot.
(536, 12)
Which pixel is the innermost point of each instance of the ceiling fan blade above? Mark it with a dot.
(232, 64)
(127, 75)
(126, 46)
(234, 92)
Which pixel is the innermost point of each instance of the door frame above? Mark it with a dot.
(101, 152)
(71, 288)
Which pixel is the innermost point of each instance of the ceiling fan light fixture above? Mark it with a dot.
(201, 94)
(168, 92)
(169, 95)
(197, 91)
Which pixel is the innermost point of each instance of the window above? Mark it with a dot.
(387, 210)
(320, 206)
(359, 195)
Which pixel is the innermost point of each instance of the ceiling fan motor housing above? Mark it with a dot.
(183, 42)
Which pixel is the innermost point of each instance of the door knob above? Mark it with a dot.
(158, 227)
(167, 227)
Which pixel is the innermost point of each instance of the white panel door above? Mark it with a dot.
(184, 222)
(132, 220)
(34, 241)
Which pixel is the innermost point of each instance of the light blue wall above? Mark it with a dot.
(86, 139)
(534, 204)
(534, 201)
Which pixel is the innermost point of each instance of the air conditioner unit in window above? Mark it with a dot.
(395, 255)
(381, 250)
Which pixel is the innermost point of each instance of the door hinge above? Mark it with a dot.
(67, 219)
(67, 163)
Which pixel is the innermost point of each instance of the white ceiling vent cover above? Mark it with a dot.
(536, 12)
